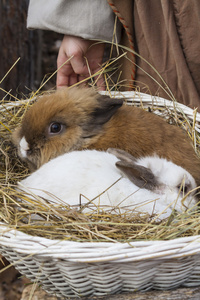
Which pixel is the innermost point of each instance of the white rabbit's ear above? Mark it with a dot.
(139, 175)
(106, 109)
(122, 155)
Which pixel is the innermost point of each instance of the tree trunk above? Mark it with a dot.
(18, 42)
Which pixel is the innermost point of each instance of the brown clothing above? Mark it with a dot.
(167, 35)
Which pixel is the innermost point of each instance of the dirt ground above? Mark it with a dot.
(11, 282)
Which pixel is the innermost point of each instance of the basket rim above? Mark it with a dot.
(145, 98)
(89, 252)
(129, 96)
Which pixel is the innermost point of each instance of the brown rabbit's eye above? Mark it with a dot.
(55, 127)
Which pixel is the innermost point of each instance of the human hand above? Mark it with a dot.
(86, 59)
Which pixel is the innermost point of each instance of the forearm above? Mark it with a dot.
(89, 19)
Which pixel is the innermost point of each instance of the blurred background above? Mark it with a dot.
(36, 49)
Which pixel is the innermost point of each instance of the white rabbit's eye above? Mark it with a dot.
(55, 127)
(184, 188)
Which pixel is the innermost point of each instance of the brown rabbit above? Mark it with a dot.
(80, 118)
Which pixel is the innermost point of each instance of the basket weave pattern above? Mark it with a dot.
(70, 269)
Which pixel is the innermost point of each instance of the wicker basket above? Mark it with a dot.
(71, 269)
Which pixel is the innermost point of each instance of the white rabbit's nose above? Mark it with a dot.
(24, 147)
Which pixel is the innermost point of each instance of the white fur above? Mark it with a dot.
(166, 171)
(92, 172)
(23, 147)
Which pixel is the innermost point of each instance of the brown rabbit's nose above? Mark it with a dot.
(23, 147)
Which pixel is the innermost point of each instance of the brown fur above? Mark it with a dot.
(95, 122)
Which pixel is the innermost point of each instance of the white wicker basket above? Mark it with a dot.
(71, 269)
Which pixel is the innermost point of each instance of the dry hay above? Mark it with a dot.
(63, 223)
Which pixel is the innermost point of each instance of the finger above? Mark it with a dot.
(100, 82)
(73, 79)
(62, 80)
(67, 75)
(79, 65)
(99, 79)
(96, 80)
(63, 70)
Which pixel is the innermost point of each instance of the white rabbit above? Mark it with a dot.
(79, 177)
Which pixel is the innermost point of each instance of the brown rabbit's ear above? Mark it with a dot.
(106, 109)
(139, 175)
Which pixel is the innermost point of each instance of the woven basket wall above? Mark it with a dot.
(71, 269)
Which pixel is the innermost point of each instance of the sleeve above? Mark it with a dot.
(89, 19)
